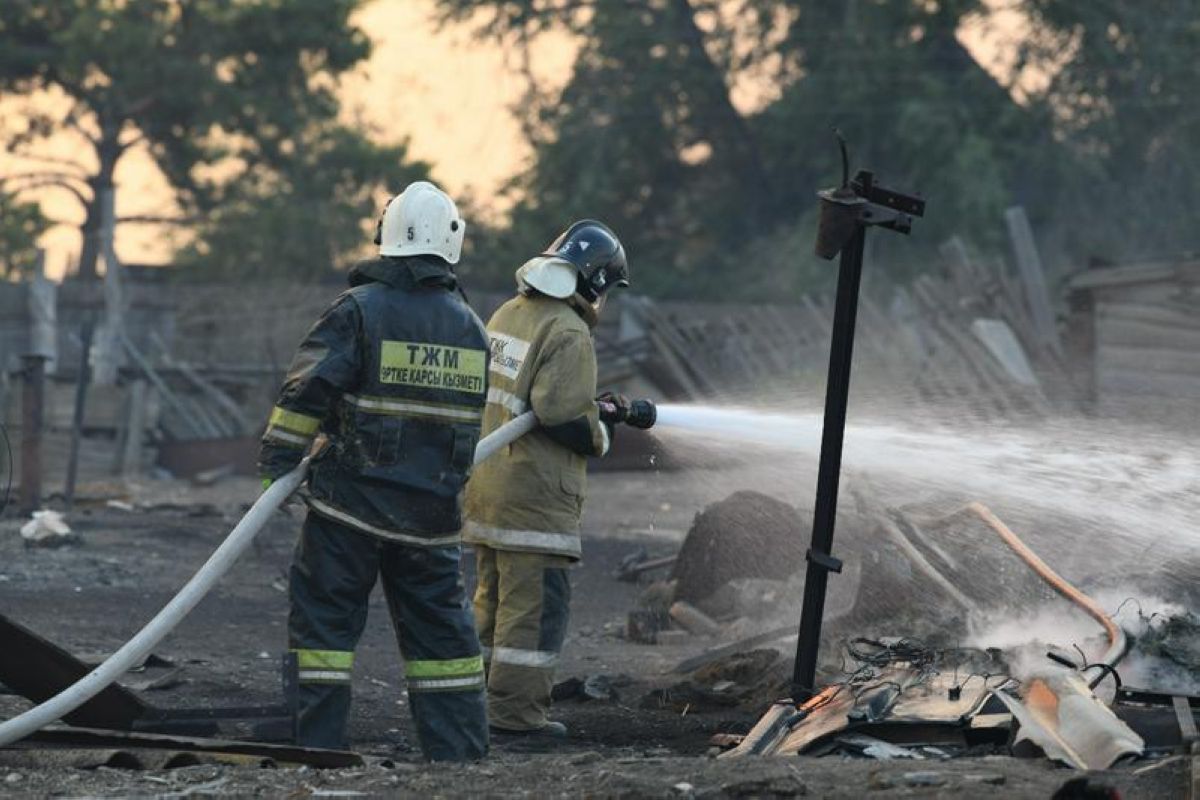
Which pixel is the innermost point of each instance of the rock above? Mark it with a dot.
(782, 786)
(924, 779)
(569, 689)
(588, 757)
(14, 777)
(877, 781)
(642, 626)
(599, 687)
(672, 637)
(990, 779)
(593, 687)
(684, 788)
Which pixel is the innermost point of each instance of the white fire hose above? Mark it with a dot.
(138, 648)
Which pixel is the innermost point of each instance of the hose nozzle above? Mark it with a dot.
(642, 414)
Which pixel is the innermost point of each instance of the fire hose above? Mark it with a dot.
(1117, 642)
(138, 648)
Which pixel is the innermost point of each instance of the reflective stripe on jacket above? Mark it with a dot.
(395, 374)
(529, 497)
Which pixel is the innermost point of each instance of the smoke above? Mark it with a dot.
(1103, 503)
(1058, 625)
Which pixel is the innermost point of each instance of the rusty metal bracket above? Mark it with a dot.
(824, 560)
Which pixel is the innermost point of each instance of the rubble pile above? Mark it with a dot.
(746, 535)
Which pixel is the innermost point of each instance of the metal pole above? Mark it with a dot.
(81, 391)
(33, 397)
(837, 390)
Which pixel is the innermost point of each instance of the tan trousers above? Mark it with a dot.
(522, 606)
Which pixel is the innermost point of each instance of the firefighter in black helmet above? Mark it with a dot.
(523, 506)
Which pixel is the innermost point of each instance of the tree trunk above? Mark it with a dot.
(108, 151)
(731, 128)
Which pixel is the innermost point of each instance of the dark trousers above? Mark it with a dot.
(332, 575)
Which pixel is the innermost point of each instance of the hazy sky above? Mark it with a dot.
(445, 91)
(448, 92)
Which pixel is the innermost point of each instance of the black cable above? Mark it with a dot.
(9, 454)
(1105, 671)
(881, 654)
(1133, 600)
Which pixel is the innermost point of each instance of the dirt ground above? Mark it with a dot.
(89, 597)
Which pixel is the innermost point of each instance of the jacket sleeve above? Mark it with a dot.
(563, 395)
(324, 368)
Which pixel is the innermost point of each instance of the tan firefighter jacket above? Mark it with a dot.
(529, 496)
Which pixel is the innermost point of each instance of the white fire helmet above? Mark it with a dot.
(421, 220)
(550, 275)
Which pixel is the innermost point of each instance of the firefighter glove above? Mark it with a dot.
(614, 408)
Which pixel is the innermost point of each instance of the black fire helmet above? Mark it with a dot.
(596, 253)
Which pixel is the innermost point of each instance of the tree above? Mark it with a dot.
(918, 110)
(303, 213)
(644, 136)
(223, 94)
(1122, 95)
(20, 226)
(717, 202)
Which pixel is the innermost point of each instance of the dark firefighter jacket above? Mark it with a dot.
(529, 496)
(394, 374)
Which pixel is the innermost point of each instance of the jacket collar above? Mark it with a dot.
(578, 304)
(584, 309)
(404, 272)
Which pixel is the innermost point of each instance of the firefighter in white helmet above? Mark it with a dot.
(394, 374)
(524, 504)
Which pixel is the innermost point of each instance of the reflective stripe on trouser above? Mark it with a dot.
(522, 606)
(333, 572)
(323, 666)
(447, 675)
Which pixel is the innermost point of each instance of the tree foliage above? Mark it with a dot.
(236, 101)
(1123, 93)
(643, 136)
(20, 226)
(230, 97)
(713, 201)
(301, 213)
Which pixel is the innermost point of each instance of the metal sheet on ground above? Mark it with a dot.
(922, 703)
(1061, 715)
(120, 740)
(38, 669)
